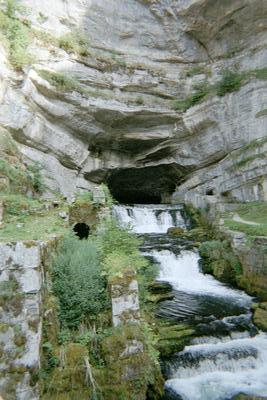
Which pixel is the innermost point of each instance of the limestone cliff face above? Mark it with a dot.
(113, 120)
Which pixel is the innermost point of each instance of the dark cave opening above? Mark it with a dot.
(81, 230)
(146, 185)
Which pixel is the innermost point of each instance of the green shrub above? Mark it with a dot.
(201, 91)
(230, 82)
(218, 259)
(18, 178)
(114, 237)
(75, 42)
(78, 282)
(60, 81)
(35, 177)
(119, 249)
(16, 33)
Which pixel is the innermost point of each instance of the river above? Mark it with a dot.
(228, 356)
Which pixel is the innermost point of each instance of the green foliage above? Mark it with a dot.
(219, 259)
(78, 282)
(35, 177)
(260, 73)
(230, 82)
(16, 32)
(83, 196)
(60, 80)
(114, 237)
(201, 91)
(19, 205)
(45, 37)
(119, 249)
(18, 178)
(197, 70)
(75, 42)
(49, 357)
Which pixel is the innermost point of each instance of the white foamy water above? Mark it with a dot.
(147, 219)
(183, 272)
(211, 368)
(222, 370)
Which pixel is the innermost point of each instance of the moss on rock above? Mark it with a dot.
(260, 317)
(173, 338)
(218, 259)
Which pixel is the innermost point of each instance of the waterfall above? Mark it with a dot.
(230, 356)
(150, 219)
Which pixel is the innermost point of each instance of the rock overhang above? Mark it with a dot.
(144, 185)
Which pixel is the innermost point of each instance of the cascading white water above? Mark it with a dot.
(222, 370)
(150, 219)
(183, 272)
(212, 367)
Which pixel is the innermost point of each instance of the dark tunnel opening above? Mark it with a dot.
(147, 185)
(81, 230)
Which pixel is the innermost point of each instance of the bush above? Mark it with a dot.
(119, 249)
(35, 177)
(201, 91)
(16, 32)
(218, 259)
(75, 42)
(230, 82)
(113, 237)
(78, 282)
(60, 80)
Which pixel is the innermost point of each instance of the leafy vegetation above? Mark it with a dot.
(201, 91)
(15, 30)
(60, 81)
(230, 81)
(67, 83)
(75, 42)
(219, 260)
(78, 282)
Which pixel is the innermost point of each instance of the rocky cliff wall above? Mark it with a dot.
(108, 97)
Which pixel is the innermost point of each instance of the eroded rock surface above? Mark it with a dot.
(21, 279)
(117, 123)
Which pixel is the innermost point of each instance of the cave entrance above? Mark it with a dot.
(81, 230)
(147, 185)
